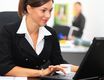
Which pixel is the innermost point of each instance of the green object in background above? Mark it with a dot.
(61, 14)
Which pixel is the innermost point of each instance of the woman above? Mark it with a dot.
(28, 46)
(79, 20)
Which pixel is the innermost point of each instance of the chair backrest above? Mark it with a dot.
(62, 30)
(8, 17)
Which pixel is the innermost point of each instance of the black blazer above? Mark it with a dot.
(16, 51)
(80, 23)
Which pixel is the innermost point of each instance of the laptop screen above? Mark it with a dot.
(93, 63)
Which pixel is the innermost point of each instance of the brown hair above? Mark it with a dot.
(78, 3)
(33, 3)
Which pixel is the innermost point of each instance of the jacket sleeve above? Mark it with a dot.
(81, 24)
(56, 57)
(6, 63)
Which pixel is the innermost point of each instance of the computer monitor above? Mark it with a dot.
(92, 66)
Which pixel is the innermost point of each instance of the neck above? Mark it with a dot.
(77, 14)
(32, 27)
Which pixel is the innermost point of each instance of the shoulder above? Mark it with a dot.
(82, 16)
(51, 30)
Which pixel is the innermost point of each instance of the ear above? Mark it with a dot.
(29, 9)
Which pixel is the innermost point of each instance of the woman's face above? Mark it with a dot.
(77, 8)
(40, 15)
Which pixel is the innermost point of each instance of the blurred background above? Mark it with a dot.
(92, 10)
(73, 48)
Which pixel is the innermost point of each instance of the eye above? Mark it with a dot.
(44, 10)
(51, 10)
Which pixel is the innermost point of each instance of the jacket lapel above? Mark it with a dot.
(24, 44)
(47, 46)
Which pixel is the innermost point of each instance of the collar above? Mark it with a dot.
(23, 29)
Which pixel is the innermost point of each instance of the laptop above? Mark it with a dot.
(91, 67)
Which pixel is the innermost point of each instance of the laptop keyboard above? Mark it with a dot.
(61, 77)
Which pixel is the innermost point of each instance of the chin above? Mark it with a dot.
(42, 24)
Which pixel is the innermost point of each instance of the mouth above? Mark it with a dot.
(44, 21)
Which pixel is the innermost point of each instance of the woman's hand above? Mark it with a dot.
(74, 68)
(51, 69)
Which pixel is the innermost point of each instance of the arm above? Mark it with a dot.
(19, 71)
(81, 24)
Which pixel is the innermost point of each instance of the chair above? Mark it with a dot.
(62, 31)
(8, 17)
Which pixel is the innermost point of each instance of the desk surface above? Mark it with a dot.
(17, 78)
(69, 46)
(25, 78)
(20, 78)
(76, 49)
(33, 79)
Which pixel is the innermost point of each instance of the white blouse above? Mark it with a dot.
(42, 33)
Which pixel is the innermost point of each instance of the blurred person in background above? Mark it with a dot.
(78, 20)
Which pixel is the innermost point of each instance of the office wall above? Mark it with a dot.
(93, 11)
(95, 19)
(8, 5)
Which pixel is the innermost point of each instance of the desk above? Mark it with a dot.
(20, 78)
(17, 78)
(71, 53)
(14, 78)
(44, 79)
(69, 46)
(33, 79)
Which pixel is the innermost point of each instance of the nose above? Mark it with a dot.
(48, 14)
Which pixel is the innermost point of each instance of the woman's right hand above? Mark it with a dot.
(52, 69)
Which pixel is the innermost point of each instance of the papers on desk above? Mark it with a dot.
(68, 46)
(66, 43)
(12, 78)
